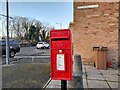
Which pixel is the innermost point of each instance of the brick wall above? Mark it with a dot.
(95, 27)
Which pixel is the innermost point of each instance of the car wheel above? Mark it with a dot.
(37, 48)
(44, 47)
(12, 53)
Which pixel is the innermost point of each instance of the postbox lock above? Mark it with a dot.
(60, 51)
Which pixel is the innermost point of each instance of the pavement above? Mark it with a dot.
(93, 78)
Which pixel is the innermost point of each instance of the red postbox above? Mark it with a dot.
(60, 54)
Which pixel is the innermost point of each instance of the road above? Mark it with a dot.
(32, 51)
(31, 54)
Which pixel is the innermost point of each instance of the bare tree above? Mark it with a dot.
(23, 26)
(17, 27)
(3, 28)
(11, 28)
(39, 27)
(26, 24)
(44, 33)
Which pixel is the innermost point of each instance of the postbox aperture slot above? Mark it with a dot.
(56, 39)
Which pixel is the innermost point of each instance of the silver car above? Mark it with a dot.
(42, 45)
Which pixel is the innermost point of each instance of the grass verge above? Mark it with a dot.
(25, 75)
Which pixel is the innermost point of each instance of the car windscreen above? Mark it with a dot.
(40, 43)
(13, 42)
(2, 43)
(45, 43)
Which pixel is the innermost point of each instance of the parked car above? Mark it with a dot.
(14, 47)
(42, 45)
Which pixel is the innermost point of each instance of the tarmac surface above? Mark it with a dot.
(93, 78)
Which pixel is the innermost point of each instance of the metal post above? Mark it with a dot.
(63, 85)
(7, 37)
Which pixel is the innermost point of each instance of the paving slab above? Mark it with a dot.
(119, 71)
(95, 76)
(112, 78)
(119, 86)
(85, 83)
(83, 70)
(92, 71)
(109, 72)
(90, 67)
(84, 75)
(83, 66)
(97, 84)
(113, 84)
(54, 84)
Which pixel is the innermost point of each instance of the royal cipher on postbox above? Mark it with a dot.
(60, 54)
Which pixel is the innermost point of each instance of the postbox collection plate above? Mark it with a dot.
(60, 62)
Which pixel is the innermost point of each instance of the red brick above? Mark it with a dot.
(95, 27)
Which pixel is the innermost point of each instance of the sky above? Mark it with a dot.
(51, 12)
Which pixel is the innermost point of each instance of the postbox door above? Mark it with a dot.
(60, 64)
